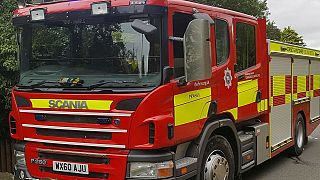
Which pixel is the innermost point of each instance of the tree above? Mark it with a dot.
(289, 35)
(8, 62)
(273, 32)
(256, 8)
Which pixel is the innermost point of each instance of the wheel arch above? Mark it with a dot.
(220, 125)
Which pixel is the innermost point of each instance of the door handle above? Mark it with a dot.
(241, 77)
(259, 94)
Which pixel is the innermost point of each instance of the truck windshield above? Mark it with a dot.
(106, 53)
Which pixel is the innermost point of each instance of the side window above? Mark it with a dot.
(180, 24)
(222, 41)
(246, 46)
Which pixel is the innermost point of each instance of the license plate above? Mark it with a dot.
(75, 168)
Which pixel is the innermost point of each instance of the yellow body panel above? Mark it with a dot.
(191, 96)
(191, 106)
(279, 85)
(316, 82)
(302, 84)
(288, 98)
(247, 92)
(295, 96)
(263, 105)
(311, 93)
(71, 104)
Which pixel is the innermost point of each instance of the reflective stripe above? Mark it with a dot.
(247, 92)
(294, 96)
(279, 85)
(316, 82)
(71, 104)
(191, 106)
(278, 47)
(302, 84)
(284, 90)
(271, 102)
(262, 105)
(75, 143)
(74, 113)
(75, 128)
(288, 98)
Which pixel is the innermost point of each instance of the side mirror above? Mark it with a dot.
(197, 51)
(142, 27)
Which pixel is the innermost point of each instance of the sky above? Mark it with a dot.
(302, 15)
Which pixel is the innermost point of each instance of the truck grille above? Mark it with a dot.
(90, 175)
(73, 119)
(74, 134)
(74, 158)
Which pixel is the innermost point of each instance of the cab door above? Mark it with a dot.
(191, 100)
(248, 69)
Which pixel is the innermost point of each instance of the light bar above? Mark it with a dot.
(21, 4)
(37, 14)
(99, 8)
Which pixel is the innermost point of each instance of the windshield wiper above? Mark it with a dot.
(40, 83)
(101, 83)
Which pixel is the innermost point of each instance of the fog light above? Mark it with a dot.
(99, 8)
(146, 170)
(37, 14)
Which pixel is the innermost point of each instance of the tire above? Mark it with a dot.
(299, 136)
(218, 160)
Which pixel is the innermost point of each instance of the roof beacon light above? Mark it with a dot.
(137, 2)
(37, 14)
(21, 4)
(99, 8)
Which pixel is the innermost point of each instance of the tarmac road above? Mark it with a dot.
(284, 167)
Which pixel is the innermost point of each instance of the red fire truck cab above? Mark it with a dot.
(155, 89)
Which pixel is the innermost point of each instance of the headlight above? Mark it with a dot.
(145, 170)
(20, 157)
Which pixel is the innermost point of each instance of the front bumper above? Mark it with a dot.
(115, 169)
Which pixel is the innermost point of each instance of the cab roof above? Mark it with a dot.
(57, 6)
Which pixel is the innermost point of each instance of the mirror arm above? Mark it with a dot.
(167, 74)
(182, 81)
(172, 38)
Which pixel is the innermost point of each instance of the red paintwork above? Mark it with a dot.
(157, 106)
(118, 159)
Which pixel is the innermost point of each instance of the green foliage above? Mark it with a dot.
(273, 32)
(8, 63)
(257, 8)
(289, 35)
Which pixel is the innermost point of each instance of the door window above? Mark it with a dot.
(246, 46)
(222, 41)
(180, 24)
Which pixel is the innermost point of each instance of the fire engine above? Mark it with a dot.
(155, 89)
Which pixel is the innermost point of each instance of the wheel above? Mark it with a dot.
(299, 136)
(218, 160)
